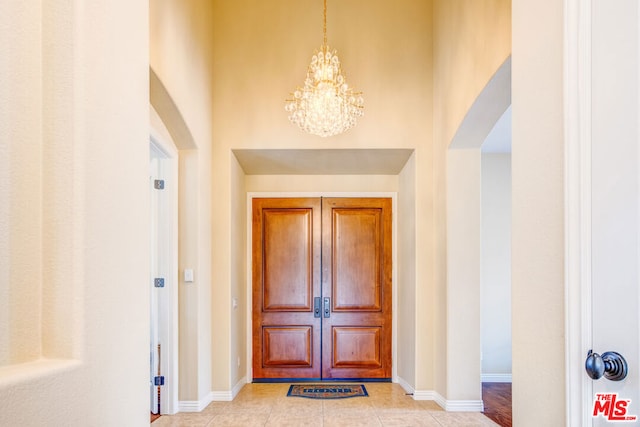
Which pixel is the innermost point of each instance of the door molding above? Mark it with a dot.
(249, 255)
(167, 153)
(578, 312)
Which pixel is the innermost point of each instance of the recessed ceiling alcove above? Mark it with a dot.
(323, 161)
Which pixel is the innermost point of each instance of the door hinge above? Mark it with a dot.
(158, 380)
(158, 184)
(158, 282)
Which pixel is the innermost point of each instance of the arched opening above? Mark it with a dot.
(464, 238)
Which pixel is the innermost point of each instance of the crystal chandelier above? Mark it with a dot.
(326, 105)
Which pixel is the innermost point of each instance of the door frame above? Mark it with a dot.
(577, 167)
(168, 320)
(249, 289)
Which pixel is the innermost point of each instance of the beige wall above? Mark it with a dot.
(93, 103)
(180, 61)
(388, 55)
(467, 51)
(74, 144)
(385, 53)
(538, 213)
(21, 185)
(472, 40)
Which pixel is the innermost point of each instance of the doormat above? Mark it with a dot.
(321, 391)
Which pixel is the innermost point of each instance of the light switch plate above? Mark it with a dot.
(188, 275)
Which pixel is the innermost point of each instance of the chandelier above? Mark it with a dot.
(326, 105)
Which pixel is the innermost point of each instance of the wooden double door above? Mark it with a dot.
(322, 288)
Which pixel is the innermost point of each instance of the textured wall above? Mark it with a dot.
(75, 240)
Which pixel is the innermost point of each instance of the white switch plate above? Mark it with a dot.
(188, 275)
(234, 302)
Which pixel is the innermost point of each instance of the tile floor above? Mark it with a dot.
(268, 405)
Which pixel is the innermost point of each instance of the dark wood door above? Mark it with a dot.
(321, 288)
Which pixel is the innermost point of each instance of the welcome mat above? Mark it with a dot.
(322, 391)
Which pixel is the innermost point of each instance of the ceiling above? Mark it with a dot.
(323, 162)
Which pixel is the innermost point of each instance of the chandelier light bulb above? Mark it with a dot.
(326, 105)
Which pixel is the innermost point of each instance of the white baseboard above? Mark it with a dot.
(463, 406)
(405, 385)
(428, 395)
(213, 396)
(449, 405)
(236, 389)
(194, 405)
(496, 378)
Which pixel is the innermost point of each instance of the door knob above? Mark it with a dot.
(611, 365)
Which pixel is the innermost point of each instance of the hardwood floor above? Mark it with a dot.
(497, 402)
(154, 417)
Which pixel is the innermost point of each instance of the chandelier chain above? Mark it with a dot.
(324, 25)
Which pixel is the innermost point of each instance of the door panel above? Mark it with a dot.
(356, 259)
(290, 346)
(356, 276)
(288, 268)
(615, 199)
(356, 347)
(286, 276)
(345, 244)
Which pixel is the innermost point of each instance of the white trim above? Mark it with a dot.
(394, 276)
(221, 396)
(428, 395)
(496, 378)
(168, 154)
(449, 405)
(405, 385)
(212, 396)
(190, 406)
(236, 389)
(463, 406)
(578, 326)
(196, 405)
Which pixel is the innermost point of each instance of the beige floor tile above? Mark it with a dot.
(429, 405)
(394, 403)
(254, 405)
(296, 419)
(351, 404)
(216, 407)
(294, 405)
(274, 390)
(183, 420)
(407, 419)
(268, 405)
(347, 418)
(236, 419)
(385, 389)
(462, 419)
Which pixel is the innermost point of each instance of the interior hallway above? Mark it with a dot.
(268, 405)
